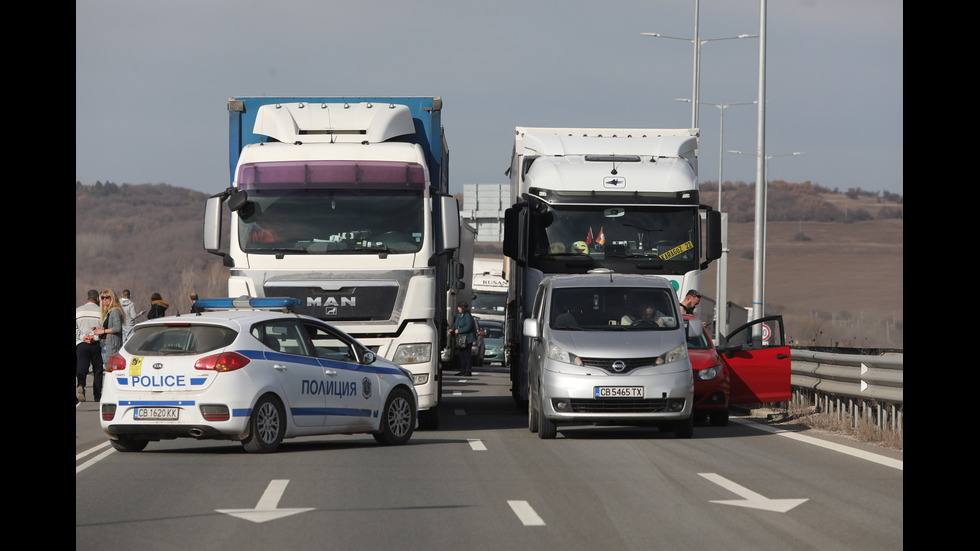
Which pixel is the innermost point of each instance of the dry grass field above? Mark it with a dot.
(838, 285)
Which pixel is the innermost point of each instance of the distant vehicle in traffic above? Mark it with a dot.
(247, 370)
(493, 342)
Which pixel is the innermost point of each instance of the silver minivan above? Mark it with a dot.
(608, 348)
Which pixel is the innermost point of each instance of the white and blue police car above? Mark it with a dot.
(247, 369)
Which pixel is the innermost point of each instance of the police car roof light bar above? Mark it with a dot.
(247, 302)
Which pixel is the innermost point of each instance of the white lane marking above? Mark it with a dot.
(476, 444)
(860, 454)
(750, 499)
(267, 507)
(91, 450)
(525, 513)
(94, 460)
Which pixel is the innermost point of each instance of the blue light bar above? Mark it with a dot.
(247, 302)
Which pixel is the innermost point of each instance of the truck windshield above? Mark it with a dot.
(488, 303)
(345, 208)
(612, 309)
(627, 239)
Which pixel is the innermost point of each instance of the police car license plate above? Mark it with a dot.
(157, 414)
(619, 392)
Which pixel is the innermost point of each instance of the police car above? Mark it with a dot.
(248, 370)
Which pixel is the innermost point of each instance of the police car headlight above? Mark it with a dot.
(708, 373)
(559, 354)
(415, 353)
(677, 354)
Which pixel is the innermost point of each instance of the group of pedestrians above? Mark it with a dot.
(102, 325)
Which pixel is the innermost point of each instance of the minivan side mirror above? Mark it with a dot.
(531, 329)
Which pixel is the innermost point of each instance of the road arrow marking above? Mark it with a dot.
(266, 508)
(751, 499)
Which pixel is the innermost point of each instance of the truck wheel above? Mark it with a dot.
(397, 419)
(266, 427)
(429, 418)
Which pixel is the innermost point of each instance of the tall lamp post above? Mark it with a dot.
(698, 42)
(721, 279)
(761, 249)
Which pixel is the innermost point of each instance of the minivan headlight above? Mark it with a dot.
(676, 354)
(558, 353)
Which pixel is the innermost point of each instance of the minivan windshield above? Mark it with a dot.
(613, 309)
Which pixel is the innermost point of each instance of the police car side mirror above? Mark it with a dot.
(369, 358)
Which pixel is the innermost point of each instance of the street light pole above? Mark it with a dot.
(760, 252)
(698, 42)
(721, 278)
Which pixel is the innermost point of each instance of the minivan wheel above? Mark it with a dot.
(684, 428)
(532, 411)
(547, 429)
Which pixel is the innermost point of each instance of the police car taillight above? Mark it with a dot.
(116, 363)
(226, 361)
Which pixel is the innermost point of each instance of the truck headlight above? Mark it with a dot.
(413, 353)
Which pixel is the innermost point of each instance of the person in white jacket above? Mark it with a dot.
(131, 314)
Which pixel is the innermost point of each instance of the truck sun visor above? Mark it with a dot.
(330, 175)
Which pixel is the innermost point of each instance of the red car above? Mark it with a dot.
(751, 367)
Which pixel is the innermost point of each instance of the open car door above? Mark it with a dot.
(759, 362)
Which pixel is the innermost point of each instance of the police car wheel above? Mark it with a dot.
(267, 426)
(125, 444)
(397, 419)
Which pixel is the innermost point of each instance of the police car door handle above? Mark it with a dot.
(279, 367)
(330, 372)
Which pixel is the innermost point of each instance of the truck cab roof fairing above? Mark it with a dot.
(333, 122)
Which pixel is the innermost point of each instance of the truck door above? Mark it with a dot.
(759, 362)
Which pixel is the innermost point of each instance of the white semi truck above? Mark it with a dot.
(586, 198)
(343, 203)
(489, 288)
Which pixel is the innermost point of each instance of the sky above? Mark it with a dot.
(152, 79)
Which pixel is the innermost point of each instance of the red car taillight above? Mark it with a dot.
(116, 363)
(226, 361)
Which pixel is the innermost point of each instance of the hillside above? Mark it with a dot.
(834, 265)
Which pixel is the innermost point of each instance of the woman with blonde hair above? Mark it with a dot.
(113, 318)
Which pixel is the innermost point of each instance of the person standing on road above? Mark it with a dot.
(129, 308)
(464, 326)
(111, 328)
(88, 352)
(158, 307)
(691, 301)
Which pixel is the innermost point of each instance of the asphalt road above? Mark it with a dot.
(483, 481)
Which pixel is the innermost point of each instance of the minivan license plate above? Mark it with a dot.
(157, 414)
(619, 392)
